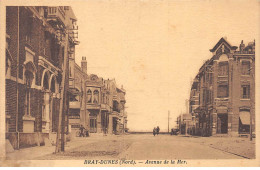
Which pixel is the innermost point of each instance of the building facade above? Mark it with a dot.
(77, 100)
(95, 103)
(37, 41)
(222, 97)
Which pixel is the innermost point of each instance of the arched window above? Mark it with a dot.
(89, 96)
(46, 81)
(96, 96)
(53, 84)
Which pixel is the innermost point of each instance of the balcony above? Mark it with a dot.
(105, 107)
(115, 97)
(92, 106)
(56, 14)
(74, 105)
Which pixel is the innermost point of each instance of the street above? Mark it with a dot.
(143, 147)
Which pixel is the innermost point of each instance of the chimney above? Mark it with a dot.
(84, 64)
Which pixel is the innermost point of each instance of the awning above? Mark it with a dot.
(245, 118)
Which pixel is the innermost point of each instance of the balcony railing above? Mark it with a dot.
(74, 105)
(56, 13)
(93, 106)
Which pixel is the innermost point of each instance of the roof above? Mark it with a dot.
(220, 42)
(71, 14)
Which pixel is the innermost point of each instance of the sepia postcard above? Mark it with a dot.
(129, 83)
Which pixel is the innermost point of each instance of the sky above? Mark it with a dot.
(155, 48)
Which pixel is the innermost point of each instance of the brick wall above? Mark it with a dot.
(11, 103)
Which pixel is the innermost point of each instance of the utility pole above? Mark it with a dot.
(168, 121)
(251, 72)
(17, 77)
(60, 145)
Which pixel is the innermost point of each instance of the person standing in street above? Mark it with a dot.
(154, 131)
(158, 130)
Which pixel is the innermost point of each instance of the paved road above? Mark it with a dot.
(141, 147)
(172, 147)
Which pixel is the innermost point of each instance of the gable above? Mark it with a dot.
(222, 46)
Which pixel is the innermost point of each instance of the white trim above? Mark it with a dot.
(244, 99)
(29, 50)
(28, 118)
(41, 62)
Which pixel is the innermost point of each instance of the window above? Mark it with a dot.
(96, 96)
(245, 92)
(222, 91)
(245, 68)
(223, 69)
(89, 96)
(70, 72)
(210, 78)
(204, 96)
(28, 83)
(104, 99)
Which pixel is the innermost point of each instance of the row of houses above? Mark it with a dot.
(40, 50)
(95, 103)
(222, 96)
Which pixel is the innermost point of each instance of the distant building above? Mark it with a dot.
(185, 124)
(222, 97)
(94, 84)
(77, 96)
(95, 103)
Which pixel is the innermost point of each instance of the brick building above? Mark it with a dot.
(37, 40)
(222, 96)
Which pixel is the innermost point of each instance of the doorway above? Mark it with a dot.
(222, 123)
(93, 125)
(114, 125)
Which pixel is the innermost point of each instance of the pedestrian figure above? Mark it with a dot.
(154, 131)
(157, 130)
(81, 131)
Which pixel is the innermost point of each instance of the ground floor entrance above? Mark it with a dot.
(104, 121)
(93, 125)
(222, 123)
(115, 125)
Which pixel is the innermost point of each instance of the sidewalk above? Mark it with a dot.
(32, 153)
(235, 145)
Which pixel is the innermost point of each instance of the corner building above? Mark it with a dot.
(222, 97)
(37, 41)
